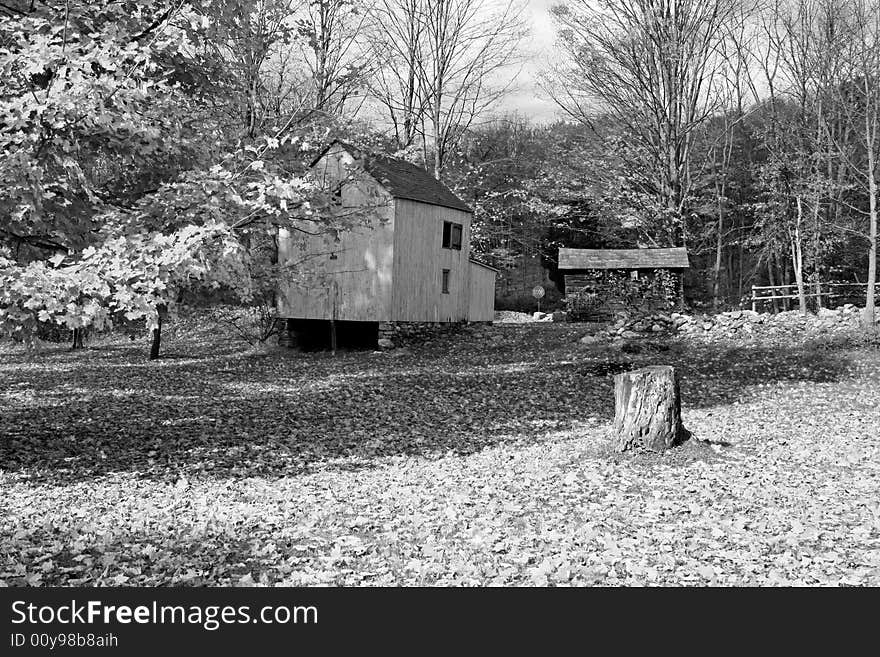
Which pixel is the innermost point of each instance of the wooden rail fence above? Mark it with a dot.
(768, 293)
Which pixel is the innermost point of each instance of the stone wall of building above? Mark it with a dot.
(398, 334)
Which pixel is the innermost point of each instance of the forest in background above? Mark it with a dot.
(746, 131)
(151, 150)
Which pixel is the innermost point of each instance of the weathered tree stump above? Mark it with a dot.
(647, 410)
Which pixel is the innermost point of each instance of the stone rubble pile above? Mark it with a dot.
(513, 317)
(733, 324)
(557, 316)
(743, 323)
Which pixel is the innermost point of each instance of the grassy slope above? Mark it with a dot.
(479, 459)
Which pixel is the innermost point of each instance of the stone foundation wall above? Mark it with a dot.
(398, 334)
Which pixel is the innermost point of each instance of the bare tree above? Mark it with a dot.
(651, 64)
(332, 47)
(243, 38)
(736, 59)
(860, 97)
(448, 55)
(792, 186)
(396, 85)
(808, 41)
(289, 58)
(828, 62)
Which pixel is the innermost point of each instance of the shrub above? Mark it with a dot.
(582, 305)
(255, 324)
(52, 332)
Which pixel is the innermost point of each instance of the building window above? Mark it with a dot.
(451, 235)
(445, 281)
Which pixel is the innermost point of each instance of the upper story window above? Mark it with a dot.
(451, 235)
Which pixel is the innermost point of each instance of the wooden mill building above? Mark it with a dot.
(405, 265)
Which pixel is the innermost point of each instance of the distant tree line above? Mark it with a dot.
(747, 131)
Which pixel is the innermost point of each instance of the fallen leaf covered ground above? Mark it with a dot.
(474, 459)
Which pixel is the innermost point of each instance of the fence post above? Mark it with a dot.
(754, 302)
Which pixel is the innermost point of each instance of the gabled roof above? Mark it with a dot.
(474, 261)
(402, 179)
(673, 258)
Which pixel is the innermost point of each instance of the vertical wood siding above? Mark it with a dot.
(356, 286)
(481, 297)
(419, 261)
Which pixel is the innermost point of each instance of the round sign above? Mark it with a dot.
(537, 291)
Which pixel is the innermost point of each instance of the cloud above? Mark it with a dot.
(527, 98)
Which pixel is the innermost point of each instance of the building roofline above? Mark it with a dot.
(482, 264)
(358, 152)
(586, 259)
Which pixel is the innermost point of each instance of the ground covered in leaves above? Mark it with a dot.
(475, 459)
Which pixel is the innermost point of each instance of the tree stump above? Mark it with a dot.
(647, 410)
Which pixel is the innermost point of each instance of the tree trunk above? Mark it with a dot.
(647, 410)
(719, 251)
(157, 335)
(787, 276)
(437, 126)
(868, 314)
(156, 341)
(817, 258)
(77, 339)
(797, 256)
(797, 259)
(772, 278)
(716, 273)
(739, 270)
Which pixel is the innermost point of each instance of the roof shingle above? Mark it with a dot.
(404, 180)
(672, 258)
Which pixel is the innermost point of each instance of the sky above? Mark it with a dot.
(527, 98)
